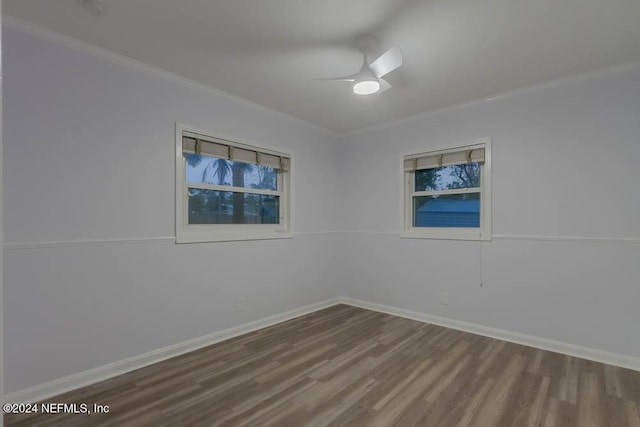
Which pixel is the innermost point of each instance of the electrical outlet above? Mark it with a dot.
(241, 304)
(444, 298)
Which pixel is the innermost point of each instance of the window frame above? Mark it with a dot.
(407, 194)
(202, 233)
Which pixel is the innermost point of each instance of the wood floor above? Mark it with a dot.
(348, 366)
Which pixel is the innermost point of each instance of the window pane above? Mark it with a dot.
(227, 207)
(466, 175)
(454, 210)
(212, 170)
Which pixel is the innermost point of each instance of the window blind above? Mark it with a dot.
(473, 154)
(222, 150)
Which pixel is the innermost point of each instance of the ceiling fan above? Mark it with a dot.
(369, 79)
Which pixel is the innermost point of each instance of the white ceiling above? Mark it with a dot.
(270, 51)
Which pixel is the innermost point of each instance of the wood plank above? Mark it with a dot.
(590, 403)
(633, 413)
(568, 387)
(493, 408)
(349, 366)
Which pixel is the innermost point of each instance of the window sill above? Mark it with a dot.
(450, 234)
(230, 236)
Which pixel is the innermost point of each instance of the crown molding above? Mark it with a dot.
(568, 80)
(14, 23)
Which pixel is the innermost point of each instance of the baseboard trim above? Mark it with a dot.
(595, 355)
(101, 373)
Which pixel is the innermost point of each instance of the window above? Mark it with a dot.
(227, 190)
(447, 193)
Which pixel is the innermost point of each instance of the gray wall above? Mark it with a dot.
(565, 196)
(89, 157)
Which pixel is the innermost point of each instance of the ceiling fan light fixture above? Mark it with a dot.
(366, 87)
(369, 79)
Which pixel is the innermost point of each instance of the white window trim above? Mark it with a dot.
(198, 233)
(484, 233)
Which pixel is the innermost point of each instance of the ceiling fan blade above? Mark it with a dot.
(387, 62)
(339, 79)
(384, 85)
